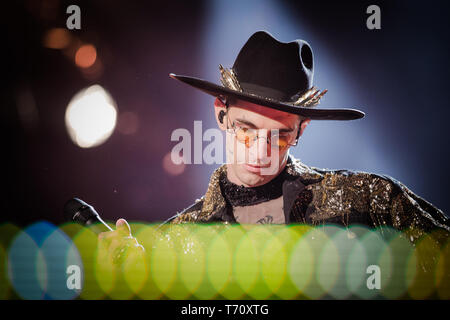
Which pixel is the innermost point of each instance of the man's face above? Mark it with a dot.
(257, 161)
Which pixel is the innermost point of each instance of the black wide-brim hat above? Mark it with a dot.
(274, 74)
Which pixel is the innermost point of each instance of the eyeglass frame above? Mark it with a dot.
(226, 103)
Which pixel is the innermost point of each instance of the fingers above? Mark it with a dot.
(118, 243)
(109, 235)
(121, 249)
(123, 227)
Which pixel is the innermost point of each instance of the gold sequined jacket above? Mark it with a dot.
(316, 196)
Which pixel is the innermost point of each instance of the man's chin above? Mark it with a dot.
(253, 176)
(258, 170)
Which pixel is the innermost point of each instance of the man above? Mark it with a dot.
(270, 87)
(266, 102)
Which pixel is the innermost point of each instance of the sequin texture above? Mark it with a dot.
(344, 197)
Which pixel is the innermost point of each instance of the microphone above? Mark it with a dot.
(79, 211)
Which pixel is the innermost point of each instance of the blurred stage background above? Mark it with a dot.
(398, 75)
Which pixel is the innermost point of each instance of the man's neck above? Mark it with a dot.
(240, 195)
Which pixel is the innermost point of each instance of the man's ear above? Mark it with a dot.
(303, 125)
(220, 112)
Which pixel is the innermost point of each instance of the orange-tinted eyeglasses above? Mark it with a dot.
(248, 136)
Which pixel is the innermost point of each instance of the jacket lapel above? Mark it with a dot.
(290, 191)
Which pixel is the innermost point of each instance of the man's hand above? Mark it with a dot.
(119, 244)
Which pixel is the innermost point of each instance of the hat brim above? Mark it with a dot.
(309, 112)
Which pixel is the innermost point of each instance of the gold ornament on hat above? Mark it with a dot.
(310, 98)
(228, 79)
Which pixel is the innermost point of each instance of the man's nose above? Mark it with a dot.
(263, 148)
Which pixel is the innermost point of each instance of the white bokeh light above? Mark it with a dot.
(91, 117)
